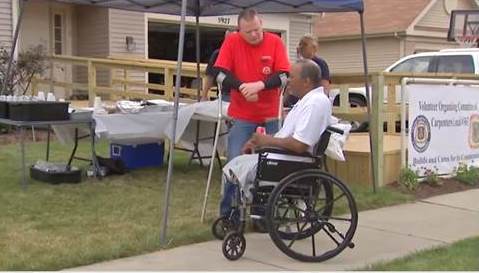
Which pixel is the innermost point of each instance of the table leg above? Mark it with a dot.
(94, 160)
(48, 143)
(22, 155)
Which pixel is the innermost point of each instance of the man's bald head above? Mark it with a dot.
(305, 75)
(310, 70)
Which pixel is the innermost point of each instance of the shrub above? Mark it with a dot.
(28, 64)
(431, 176)
(409, 179)
(466, 174)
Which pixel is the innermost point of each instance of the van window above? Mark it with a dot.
(455, 64)
(419, 64)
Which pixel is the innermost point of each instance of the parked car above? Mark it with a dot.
(458, 60)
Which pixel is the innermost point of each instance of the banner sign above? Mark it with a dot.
(443, 127)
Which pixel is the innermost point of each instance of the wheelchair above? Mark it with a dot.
(309, 214)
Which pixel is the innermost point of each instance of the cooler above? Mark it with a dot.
(138, 156)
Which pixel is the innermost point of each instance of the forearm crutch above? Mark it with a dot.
(219, 80)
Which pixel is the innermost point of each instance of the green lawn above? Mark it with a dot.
(461, 256)
(50, 227)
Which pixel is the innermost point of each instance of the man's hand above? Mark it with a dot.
(250, 90)
(248, 147)
(257, 140)
(204, 98)
(261, 140)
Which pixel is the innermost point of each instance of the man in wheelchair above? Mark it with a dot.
(301, 130)
(309, 214)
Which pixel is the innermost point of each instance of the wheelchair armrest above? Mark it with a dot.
(276, 150)
(334, 130)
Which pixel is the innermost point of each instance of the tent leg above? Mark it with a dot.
(175, 121)
(198, 89)
(368, 98)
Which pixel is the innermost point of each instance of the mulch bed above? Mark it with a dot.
(425, 190)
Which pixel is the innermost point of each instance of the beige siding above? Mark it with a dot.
(438, 18)
(345, 56)
(92, 39)
(35, 27)
(297, 28)
(92, 31)
(422, 44)
(5, 22)
(127, 23)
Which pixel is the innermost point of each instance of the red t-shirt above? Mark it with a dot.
(250, 63)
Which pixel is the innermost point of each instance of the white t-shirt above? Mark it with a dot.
(308, 119)
(305, 122)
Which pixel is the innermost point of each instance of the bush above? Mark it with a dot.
(466, 174)
(431, 176)
(28, 64)
(409, 179)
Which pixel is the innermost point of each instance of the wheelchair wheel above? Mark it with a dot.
(322, 191)
(222, 225)
(308, 224)
(234, 245)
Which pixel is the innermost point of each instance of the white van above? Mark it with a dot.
(457, 60)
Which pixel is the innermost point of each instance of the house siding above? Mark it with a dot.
(6, 23)
(122, 24)
(424, 44)
(297, 28)
(92, 39)
(345, 56)
(437, 17)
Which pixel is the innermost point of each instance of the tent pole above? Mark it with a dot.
(6, 80)
(368, 97)
(196, 150)
(197, 36)
(175, 121)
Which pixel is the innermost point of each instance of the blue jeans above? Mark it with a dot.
(239, 133)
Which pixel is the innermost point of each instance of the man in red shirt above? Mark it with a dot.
(254, 64)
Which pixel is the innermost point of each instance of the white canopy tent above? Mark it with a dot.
(198, 8)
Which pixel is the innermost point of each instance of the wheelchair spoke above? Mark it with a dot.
(296, 235)
(326, 218)
(313, 244)
(330, 235)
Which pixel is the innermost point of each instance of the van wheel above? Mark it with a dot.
(355, 101)
(356, 126)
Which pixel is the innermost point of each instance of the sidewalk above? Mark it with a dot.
(382, 234)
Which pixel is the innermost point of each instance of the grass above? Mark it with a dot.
(460, 256)
(51, 227)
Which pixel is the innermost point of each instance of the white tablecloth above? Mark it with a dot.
(155, 125)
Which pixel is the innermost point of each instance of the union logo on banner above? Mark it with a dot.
(420, 133)
(474, 132)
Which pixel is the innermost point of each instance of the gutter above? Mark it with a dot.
(395, 34)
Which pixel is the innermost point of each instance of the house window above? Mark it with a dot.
(58, 34)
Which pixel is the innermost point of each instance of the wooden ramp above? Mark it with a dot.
(357, 167)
